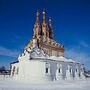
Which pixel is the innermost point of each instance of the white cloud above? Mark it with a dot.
(8, 52)
(78, 55)
(83, 44)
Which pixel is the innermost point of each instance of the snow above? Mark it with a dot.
(8, 84)
(36, 52)
(61, 58)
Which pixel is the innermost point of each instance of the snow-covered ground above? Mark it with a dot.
(58, 85)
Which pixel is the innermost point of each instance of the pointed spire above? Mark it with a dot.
(50, 22)
(44, 16)
(37, 16)
(50, 28)
(37, 29)
(44, 24)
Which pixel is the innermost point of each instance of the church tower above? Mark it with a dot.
(37, 27)
(44, 26)
(50, 30)
(37, 30)
(43, 36)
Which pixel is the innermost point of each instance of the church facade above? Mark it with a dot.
(43, 58)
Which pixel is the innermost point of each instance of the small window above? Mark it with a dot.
(76, 70)
(79, 74)
(59, 70)
(24, 54)
(13, 71)
(70, 70)
(46, 70)
(17, 70)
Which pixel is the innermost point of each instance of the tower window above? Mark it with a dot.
(46, 70)
(59, 70)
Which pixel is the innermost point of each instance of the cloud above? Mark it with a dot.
(84, 44)
(78, 55)
(8, 52)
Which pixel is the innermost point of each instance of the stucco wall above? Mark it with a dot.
(35, 70)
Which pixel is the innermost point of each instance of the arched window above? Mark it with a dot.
(59, 70)
(46, 70)
(17, 70)
(70, 70)
(76, 70)
(13, 71)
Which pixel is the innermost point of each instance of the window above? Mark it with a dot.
(46, 70)
(17, 70)
(70, 70)
(59, 70)
(24, 54)
(76, 70)
(13, 71)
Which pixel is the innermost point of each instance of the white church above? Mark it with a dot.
(43, 58)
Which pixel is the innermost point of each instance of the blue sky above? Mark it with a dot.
(71, 26)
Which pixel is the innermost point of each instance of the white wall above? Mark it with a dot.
(35, 70)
